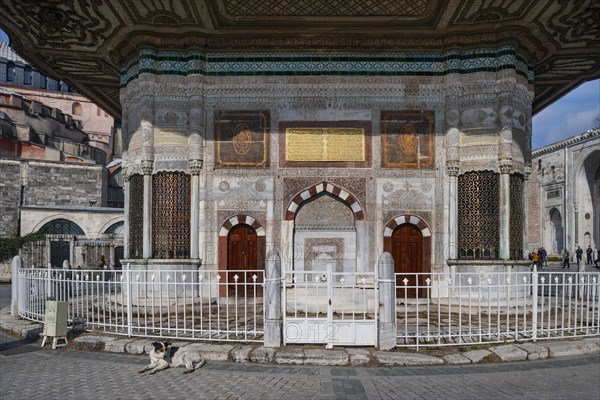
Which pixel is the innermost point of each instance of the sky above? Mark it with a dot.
(571, 115)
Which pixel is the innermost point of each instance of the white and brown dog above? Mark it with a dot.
(164, 356)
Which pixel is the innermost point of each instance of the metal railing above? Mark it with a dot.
(198, 304)
(437, 309)
(443, 309)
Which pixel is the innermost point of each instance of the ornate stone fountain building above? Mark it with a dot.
(323, 129)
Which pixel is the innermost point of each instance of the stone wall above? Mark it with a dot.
(47, 184)
(57, 184)
(10, 183)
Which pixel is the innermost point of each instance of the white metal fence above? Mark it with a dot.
(336, 308)
(468, 308)
(202, 305)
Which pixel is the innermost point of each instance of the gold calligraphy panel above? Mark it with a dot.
(325, 144)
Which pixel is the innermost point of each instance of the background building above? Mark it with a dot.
(57, 174)
(564, 195)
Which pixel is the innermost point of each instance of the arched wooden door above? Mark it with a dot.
(242, 255)
(407, 251)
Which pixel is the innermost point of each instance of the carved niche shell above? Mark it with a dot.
(242, 139)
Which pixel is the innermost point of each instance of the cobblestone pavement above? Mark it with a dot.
(26, 371)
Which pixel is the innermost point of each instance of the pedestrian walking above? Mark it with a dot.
(578, 254)
(534, 258)
(589, 253)
(540, 258)
(544, 257)
(566, 259)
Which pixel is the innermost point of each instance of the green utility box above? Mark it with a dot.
(55, 321)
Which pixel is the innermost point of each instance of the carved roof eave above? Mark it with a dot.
(547, 31)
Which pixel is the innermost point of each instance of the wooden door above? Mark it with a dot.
(242, 255)
(407, 251)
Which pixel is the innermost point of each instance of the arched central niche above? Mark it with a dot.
(555, 230)
(324, 233)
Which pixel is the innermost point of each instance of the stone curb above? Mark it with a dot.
(312, 355)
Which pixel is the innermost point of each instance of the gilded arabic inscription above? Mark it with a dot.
(325, 144)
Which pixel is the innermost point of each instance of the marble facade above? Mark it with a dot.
(428, 121)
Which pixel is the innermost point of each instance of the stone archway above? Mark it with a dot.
(241, 247)
(324, 234)
(408, 239)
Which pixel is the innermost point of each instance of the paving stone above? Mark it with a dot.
(456, 359)
(509, 352)
(571, 348)
(241, 354)
(91, 342)
(117, 345)
(476, 355)
(140, 346)
(213, 352)
(325, 357)
(262, 355)
(391, 358)
(359, 356)
(289, 355)
(534, 351)
(593, 342)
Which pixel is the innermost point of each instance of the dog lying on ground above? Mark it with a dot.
(164, 356)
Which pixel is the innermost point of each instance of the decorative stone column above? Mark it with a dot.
(505, 170)
(453, 92)
(452, 168)
(195, 168)
(147, 168)
(126, 178)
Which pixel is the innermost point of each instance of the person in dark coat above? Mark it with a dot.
(578, 254)
(589, 253)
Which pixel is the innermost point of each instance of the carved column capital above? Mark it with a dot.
(452, 167)
(527, 172)
(195, 166)
(147, 167)
(128, 173)
(506, 166)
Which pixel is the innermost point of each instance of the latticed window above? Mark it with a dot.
(61, 226)
(517, 216)
(171, 215)
(136, 216)
(478, 215)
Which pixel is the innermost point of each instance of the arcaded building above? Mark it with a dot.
(326, 130)
(565, 195)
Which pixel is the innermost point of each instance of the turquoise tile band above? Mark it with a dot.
(339, 64)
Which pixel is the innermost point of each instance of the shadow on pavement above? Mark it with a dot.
(10, 345)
